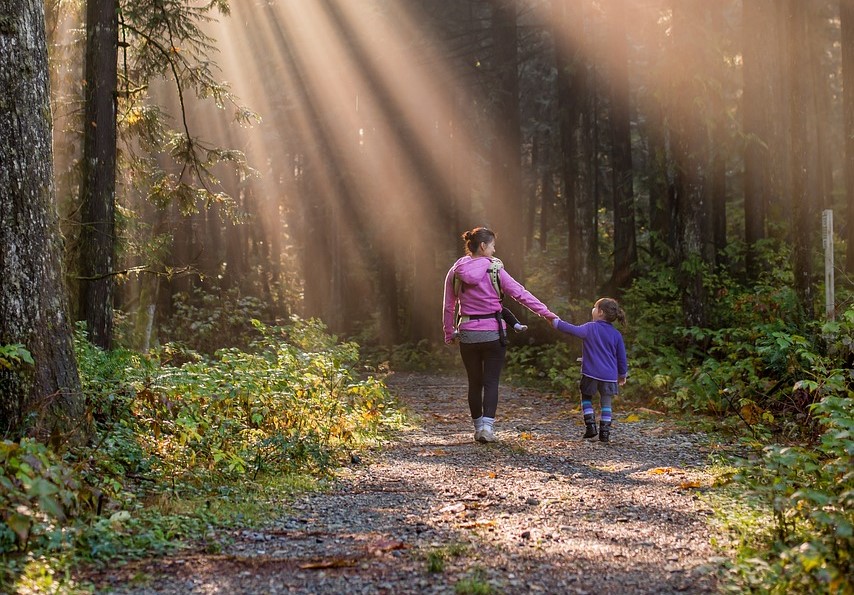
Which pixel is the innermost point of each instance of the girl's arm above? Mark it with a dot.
(622, 361)
(571, 329)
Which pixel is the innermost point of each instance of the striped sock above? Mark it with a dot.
(606, 414)
(587, 410)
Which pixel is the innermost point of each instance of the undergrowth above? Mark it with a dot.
(777, 383)
(182, 450)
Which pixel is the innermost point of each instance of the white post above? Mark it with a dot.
(827, 240)
(149, 327)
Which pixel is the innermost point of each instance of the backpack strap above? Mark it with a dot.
(494, 275)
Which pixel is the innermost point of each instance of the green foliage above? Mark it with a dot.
(37, 494)
(474, 584)
(292, 402)
(437, 557)
(206, 321)
(808, 493)
(759, 366)
(182, 448)
(12, 356)
(554, 365)
(414, 357)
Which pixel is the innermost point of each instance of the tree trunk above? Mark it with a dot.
(567, 31)
(715, 54)
(846, 15)
(98, 189)
(33, 300)
(660, 221)
(625, 246)
(690, 156)
(506, 157)
(803, 212)
(547, 193)
(756, 19)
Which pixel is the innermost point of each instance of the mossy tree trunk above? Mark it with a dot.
(43, 399)
(98, 190)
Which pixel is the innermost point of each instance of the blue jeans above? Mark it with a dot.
(483, 362)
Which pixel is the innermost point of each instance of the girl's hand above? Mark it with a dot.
(622, 381)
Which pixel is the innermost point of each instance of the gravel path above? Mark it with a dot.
(541, 511)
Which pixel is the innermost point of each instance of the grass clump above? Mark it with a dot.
(474, 584)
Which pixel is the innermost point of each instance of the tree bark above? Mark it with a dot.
(846, 15)
(690, 156)
(506, 155)
(715, 54)
(660, 220)
(567, 31)
(45, 399)
(756, 126)
(803, 212)
(98, 189)
(625, 246)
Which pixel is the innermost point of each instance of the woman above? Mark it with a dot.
(481, 330)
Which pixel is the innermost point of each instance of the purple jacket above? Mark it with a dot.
(478, 296)
(603, 353)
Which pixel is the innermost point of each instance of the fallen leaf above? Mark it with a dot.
(433, 453)
(478, 523)
(661, 470)
(334, 563)
(386, 545)
(631, 418)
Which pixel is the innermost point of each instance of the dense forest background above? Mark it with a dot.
(222, 223)
(333, 172)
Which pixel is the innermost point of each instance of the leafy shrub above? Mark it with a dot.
(205, 321)
(292, 404)
(809, 494)
(38, 492)
(554, 365)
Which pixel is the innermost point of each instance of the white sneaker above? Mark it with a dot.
(477, 434)
(487, 435)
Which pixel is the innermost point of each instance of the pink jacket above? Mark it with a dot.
(478, 296)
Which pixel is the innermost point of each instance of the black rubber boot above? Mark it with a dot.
(591, 430)
(605, 431)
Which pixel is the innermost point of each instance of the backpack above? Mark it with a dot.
(495, 267)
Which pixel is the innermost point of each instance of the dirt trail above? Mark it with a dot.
(541, 511)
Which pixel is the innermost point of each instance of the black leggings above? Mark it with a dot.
(483, 362)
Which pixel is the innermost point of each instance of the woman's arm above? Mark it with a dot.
(514, 289)
(449, 303)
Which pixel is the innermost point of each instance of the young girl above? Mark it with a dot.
(603, 362)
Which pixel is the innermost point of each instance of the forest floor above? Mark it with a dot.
(540, 511)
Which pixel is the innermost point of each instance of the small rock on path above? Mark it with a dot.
(540, 511)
